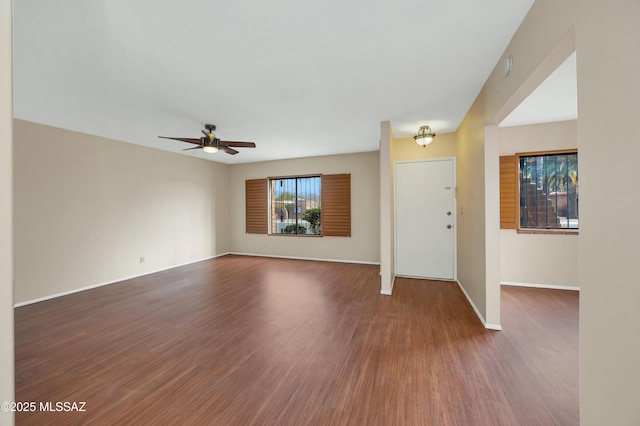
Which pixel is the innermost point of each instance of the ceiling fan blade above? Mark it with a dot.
(209, 140)
(189, 140)
(230, 151)
(238, 144)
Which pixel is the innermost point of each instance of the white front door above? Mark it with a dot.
(425, 219)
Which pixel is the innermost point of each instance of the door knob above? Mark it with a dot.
(448, 226)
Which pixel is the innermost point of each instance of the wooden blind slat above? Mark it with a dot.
(508, 192)
(256, 202)
(335, 205)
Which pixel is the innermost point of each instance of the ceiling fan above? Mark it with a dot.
(210, 143)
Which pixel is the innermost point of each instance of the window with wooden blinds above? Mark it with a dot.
(336, 205)
(256, 204)
(508, 192)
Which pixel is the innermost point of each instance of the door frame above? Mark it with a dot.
(455, 214)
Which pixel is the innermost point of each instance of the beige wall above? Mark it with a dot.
(605, 36)
(470, 205)
(87, 208)
(608, 61)
(406, 149)
(6, 178)
(546, 26)
(538, 137)
(364, 243)
(533, 259)
(387, 230)
(538, 259)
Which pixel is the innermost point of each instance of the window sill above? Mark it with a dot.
(560, 231)
(296, 235)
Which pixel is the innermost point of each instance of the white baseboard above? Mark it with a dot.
(363, 262)
(549, 286)
(486, 325)
(388, 292)
(78, 290)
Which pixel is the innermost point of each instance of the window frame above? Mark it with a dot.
(524, 230)
(270, 204)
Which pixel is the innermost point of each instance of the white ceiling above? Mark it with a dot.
(299, 78)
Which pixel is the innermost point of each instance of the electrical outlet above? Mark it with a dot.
(141, 259)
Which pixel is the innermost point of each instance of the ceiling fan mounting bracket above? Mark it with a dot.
(210, 127)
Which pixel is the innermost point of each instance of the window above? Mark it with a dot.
(548, 190)
(539, 191)
(299, 205)
(295, 205)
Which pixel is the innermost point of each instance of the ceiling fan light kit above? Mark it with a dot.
(209, 143)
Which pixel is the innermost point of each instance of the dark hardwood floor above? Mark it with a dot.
(254, 341)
